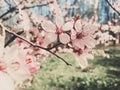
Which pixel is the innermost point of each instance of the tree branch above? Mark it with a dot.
(38, 46)
(32, 44)
(112, 7)
(9, 11)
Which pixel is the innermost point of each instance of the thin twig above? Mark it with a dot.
(112, 7)
(38, 46)
(7, 3)
(9, 11)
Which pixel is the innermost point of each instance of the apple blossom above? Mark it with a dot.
(58, 29)
(82, 35)
(21, 65)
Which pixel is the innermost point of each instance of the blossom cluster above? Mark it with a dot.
(74, 32)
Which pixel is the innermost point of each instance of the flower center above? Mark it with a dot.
(58, 30)
(78, 51)
(79, 35)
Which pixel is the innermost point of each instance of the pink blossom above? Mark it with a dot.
(20, 64)
(83, 59)
(31, 64)
(58, 29)
(82, 36)
(41, 38)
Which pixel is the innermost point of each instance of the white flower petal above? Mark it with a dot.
(67, 26)
(6, 83)
(90, 29)
(64, 38)
(49, 38)
(89, 42)
(78, 43)
(48, 26)
(59, 21)
(82, 61)
(73, 34)
(25, 23)
(19, 75)
(8, 54)
(78, 26)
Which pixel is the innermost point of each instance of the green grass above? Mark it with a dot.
(102, 74)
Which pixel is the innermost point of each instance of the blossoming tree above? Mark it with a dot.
(33, 37)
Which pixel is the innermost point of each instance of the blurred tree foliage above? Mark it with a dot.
(84, 7)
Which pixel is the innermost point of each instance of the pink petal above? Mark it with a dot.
(59, 21)
(49, 38)
(78, 43)
(78, 26)
(64, 38)
(90, 28)
(73, 34)
(90, 42)
(33, 70)
(48, 26)
(82, 61)
(68, 26)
